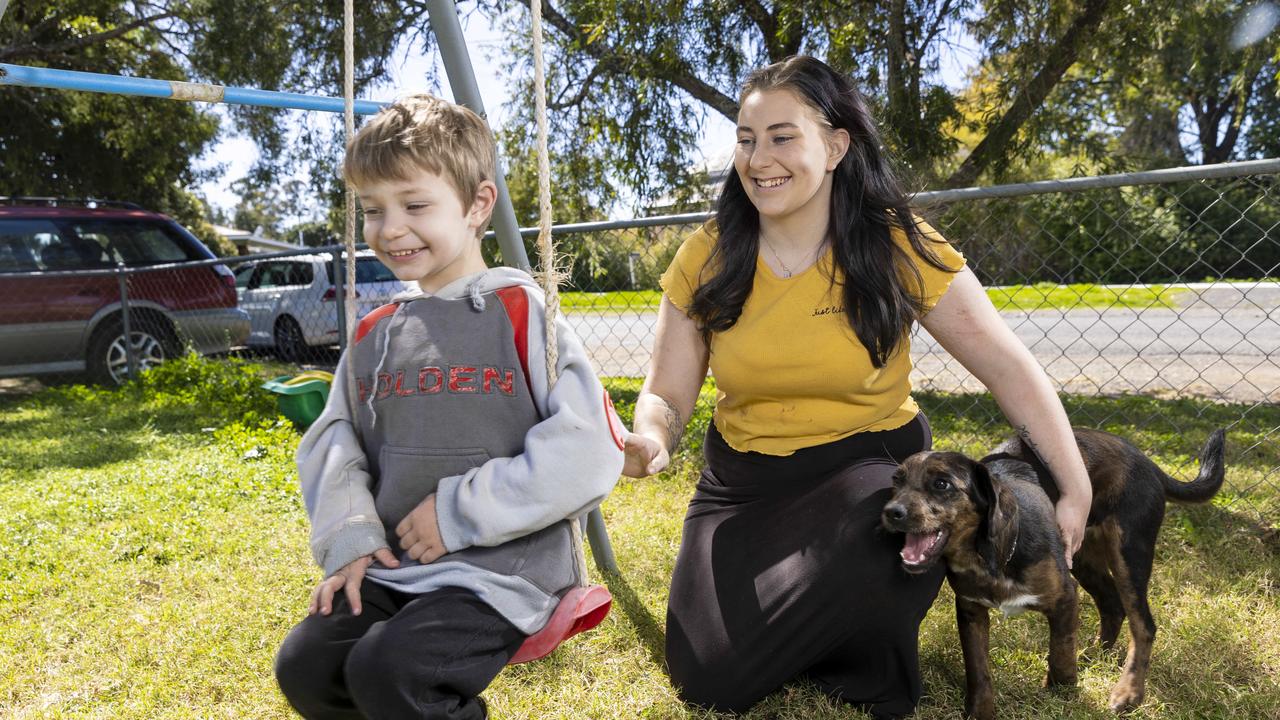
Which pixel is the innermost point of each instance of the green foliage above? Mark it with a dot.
(221, 390)
(1143, 234)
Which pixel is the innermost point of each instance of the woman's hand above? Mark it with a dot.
(1073, 513)
(644, 456)
(348, 578)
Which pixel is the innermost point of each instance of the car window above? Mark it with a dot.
(27, 245)
(136, 242)
(299, 274)
(243, 274)
(273, 275)
(21, 242)
(371, 270)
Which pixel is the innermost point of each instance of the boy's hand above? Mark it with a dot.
(419, 532)
(644, 456)
(348, 577)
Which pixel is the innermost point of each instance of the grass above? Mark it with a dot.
(153, 554)
(1041, 296)
(1048, 296)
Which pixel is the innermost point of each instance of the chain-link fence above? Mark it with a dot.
(1152, 301)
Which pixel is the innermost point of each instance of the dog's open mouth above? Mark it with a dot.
(920, 550)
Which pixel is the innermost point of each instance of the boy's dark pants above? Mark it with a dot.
(404, 656)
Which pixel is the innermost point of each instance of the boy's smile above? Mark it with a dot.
(419, 228)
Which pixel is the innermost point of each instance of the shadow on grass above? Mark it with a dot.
(84, 427)
(649, 631)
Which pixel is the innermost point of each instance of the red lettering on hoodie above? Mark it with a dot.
(462, 379)
(433, 376)
(385, 385)
(505, 381)
(400, 388)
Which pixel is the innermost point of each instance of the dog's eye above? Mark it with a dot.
(941, 484)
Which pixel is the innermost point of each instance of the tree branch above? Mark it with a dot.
(1058, 59)
(933, 31)
(760, 15)
(68, 46)
(674, 71)
(581, 95)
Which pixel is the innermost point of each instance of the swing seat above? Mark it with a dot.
(582, 608)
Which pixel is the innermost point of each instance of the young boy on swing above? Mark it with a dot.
(441, 485)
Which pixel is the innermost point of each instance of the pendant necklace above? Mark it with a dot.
(786, 271)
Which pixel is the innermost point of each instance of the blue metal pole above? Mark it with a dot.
(174, 89)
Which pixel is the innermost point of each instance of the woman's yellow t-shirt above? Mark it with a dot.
(791, 373)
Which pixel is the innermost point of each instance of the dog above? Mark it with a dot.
(992, 523)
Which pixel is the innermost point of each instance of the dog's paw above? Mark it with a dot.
(983, 708)
(1125, 696)
(1060, 680)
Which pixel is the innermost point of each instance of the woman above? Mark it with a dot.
(800, 297)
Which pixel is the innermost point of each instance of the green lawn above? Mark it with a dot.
(1041, 296)
(153, 554)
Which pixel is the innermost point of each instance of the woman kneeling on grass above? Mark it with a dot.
(801, 296)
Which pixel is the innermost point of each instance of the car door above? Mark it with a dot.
(43, 318)
(261, 298)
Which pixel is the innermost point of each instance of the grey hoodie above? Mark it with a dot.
(443, 403)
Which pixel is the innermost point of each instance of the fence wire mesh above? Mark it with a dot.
(1152, 301)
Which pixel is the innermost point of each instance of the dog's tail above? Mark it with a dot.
(1208, 482)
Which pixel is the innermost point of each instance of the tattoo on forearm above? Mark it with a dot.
(1025, 434)
(675, 425)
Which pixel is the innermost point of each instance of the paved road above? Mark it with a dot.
(1222, 342)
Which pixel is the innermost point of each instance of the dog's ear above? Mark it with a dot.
(985, 492)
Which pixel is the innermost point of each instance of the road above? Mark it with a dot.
(1222, 342)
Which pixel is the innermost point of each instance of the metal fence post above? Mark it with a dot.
(122, 280)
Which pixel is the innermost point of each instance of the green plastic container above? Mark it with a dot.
(301, 398)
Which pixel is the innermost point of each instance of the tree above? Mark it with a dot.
(74, 144)
(1159, 85)
(1187, 65)
(640, 78)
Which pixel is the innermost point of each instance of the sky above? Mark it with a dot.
(410, 69)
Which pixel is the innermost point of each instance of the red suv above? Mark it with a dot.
(60, 292)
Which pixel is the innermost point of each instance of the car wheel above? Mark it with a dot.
(291, 345)
(108, 359)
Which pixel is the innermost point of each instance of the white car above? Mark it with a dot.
(292, 301)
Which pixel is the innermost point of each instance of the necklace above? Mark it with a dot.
(786, 271)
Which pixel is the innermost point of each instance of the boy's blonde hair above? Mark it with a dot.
(423, 132)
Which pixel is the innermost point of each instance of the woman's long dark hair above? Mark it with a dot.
(866, 202)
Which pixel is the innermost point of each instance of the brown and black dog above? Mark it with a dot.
(992, 523)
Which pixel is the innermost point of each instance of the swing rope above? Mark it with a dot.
(584, 606)
(550, 273)
(349, 127)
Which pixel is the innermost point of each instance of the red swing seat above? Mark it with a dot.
(582, 608)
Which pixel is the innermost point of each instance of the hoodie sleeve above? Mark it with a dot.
(571, 459)
(335, 479)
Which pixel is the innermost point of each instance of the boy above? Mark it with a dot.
(439, 487)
